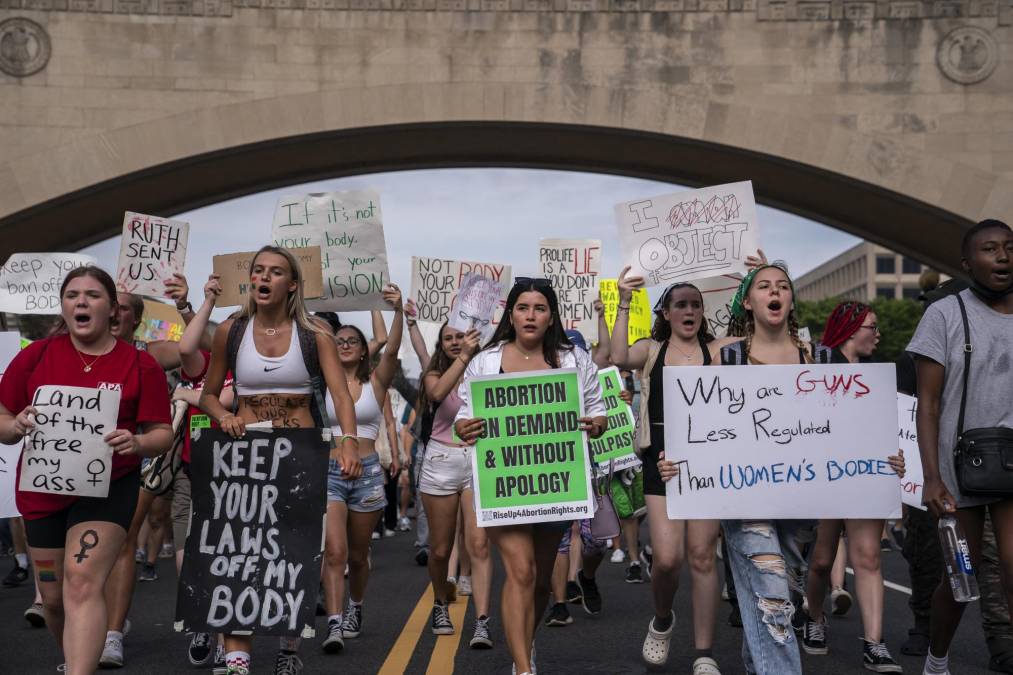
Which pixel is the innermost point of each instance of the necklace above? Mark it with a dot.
(527, 357)
(270, 332)
(689, 357)
(88, 366)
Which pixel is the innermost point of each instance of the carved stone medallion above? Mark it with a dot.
(967, 55)
(24, 47)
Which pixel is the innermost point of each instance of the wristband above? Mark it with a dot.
(350, 437)
(622, 306)
(185, 308)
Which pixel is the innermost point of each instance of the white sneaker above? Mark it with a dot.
(112, 652)
(618, 556)
(464, 586)
(705, 666)
(656, 644)
(533, 671)
(405, 525)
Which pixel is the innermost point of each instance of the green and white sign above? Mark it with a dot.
(618, 443)
(532, 464)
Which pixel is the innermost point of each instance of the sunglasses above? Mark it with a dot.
(533, 282)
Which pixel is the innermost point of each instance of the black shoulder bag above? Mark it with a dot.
(983, 458)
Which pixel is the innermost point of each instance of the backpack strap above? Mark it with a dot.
(967, 365)
(236, 332)
(821, 353)
(311, 357)
(733, 354)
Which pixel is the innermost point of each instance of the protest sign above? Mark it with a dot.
(160, 322)
(65, 453)
(717, 296)
(30, 282)
(781, 442)
(618, 443)
(152, 249)
(255, 541)
(573, 266)
(476, 304)
(641, 316)
(531, 466)
(10, 345)
(914, 478)
(437, 281)
(348, 228)
(689, 235)
(234, 272)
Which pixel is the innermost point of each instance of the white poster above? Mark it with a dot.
(689, 235)
(152, 249)
(30, 282)
(65, 454)
(717, 296)
(476, 305)
(914, 478)
(348, 228)
(10, 345)
(436, 282)
(760, 442)
(573, 266)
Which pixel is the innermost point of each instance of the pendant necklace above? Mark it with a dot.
(527, 357)
(87, 366)
(689, 357)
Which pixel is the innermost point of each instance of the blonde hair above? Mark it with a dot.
(296, 302)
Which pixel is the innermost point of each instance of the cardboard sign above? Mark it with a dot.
(65, 454)
(914, 478)
(30, 282)
(717, 296)
(234, 270)
(532, 464)
(255, 542)
(348, 228)
(152, 249)
(759, 442)
(573, 267)
(160, 322)
(689, 235)
(476, 304)
(437, 281)
(618, 443)
(641, 317)
(10, 345)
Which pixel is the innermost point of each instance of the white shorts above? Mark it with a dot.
(446, 470)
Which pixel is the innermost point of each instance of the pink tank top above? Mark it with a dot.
(443, 421)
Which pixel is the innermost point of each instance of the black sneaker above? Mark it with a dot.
(34, 615)
(559, 615)
(634, 574)
(481, 638)
(148, 573)
(735, 617)
(220, 668)
(798, 620)
(589, 591)
(876, 657)
(647, 559)
(352, 624)
(200, 649)
(814, 637)
(334, 642)
(441, 623)
(287, 663)
(573, 594)
(16, 576)
(917, 643)
(422, 557)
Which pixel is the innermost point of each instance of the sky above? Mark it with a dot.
(487, 215)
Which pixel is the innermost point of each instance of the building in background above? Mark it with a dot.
(863, 272)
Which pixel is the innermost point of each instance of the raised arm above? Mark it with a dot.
(190, 344)
(437, 385)
(387, 368)
(623, 355)
(601, 352)
(379, 338)
(418, 342)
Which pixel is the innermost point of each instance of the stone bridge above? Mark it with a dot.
(890, 119)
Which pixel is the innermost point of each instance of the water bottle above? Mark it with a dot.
(957, 559)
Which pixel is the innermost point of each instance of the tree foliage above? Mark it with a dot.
(897, 320)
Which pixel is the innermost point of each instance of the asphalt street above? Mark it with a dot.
(396, 635)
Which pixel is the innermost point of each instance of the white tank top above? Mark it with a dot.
(259, 374)
(367, 414)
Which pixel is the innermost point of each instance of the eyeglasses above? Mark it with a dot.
(874, 328)
(533, 282)
(348, 342)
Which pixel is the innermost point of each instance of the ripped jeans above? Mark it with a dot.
(765, 588)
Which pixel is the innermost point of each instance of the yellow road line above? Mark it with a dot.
(401, 653)
(442, 660)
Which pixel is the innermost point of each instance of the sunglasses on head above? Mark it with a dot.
(533, 282)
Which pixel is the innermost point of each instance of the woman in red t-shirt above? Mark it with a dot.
(71, 568)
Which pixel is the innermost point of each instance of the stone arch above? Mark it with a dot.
(875, 187)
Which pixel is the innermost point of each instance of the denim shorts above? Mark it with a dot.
(364, 494)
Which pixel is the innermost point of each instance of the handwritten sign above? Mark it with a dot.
(781, 441)
(10, 345)
(159, 322)
(532, 464)
(234, 270)
(253, 552)
(30, 282)
(152, 249)
(573, 266)
(618, 443)
(348, 228)
(641, 317)
(437, 281)
(65, 454)
(914, 478)
(689, 235)
(717, 296)
(475, 305)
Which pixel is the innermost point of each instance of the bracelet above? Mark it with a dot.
(346, 437)
(622, 306)
(410, 322)
(187, 308)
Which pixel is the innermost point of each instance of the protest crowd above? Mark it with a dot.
(559, 421)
